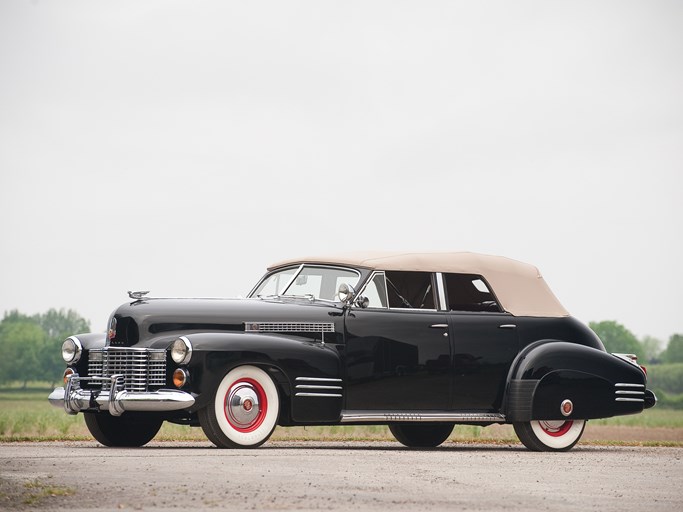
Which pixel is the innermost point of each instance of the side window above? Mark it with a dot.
(410, 290)
(468, 292)
(376, 292)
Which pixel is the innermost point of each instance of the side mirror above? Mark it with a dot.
(362, 302)
(346, 293)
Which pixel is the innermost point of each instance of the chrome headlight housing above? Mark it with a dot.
(181, 350)
(72, 350)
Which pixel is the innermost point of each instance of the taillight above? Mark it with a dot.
(643, 368)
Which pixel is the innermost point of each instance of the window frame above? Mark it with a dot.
(298, 271)
(446, 303)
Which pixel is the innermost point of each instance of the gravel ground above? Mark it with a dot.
(338, 476)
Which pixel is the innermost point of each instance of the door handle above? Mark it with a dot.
(439, 326)
(507, 326)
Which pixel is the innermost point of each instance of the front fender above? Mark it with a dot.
(286, 358)
(598, 384)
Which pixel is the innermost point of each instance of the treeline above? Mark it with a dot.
(649, 350)
(664, 363)
(30, 346)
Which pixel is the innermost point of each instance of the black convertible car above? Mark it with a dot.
(419, 342)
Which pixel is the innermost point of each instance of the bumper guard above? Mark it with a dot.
(74, 399)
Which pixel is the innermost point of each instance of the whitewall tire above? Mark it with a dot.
(244, 410)
(548, 436)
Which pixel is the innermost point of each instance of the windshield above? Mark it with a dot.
(310, 281)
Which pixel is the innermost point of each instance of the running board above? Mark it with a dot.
(426, 416)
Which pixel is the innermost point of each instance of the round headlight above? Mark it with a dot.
(71, 350)
(181, 350)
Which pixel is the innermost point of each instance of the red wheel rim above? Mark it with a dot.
(245, 405)
(555, 428)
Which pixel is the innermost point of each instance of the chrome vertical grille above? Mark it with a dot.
(142, 369)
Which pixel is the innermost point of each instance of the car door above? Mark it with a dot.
(397, 351)
(484, 340)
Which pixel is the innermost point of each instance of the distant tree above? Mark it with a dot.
(617, 338)
(21, 342)
(674, 350)
(58, 324)
(652, 347)
(30, 345)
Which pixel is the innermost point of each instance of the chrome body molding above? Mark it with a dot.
(441, 292)
(629, 385)
(425, 416)
(323, 395)
(318, 387)
(316, 379)
(74, 399)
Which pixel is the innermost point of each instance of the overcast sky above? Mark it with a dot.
(180, 147)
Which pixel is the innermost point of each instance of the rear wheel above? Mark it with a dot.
(550, 436)
(129, 429)
(244, 409)
(420, 435)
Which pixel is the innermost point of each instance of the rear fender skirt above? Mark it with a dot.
(549, 372)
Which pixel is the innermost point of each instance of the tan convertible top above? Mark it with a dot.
(520, 288)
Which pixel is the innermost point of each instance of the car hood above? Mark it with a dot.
(144, 320)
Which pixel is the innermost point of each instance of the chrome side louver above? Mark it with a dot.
(626, 392)
(318, 387)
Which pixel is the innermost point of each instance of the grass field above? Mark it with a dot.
(26, 415)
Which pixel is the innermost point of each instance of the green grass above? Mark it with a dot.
(26, 415)
(656, 417)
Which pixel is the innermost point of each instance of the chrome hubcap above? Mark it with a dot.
(242, 406)
(556, 428)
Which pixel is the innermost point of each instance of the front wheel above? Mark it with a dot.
(129, 429)
(421, 435)
(244, 409)
(550, 436)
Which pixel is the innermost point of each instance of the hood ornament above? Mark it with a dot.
(137, 295)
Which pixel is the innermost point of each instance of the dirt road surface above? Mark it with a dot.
(338, 476)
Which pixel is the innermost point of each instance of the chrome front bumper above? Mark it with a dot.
(74, 399)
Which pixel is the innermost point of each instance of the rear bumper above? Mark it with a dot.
(74, 399)
(650, 399)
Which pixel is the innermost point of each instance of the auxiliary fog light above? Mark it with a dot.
(180, 377)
